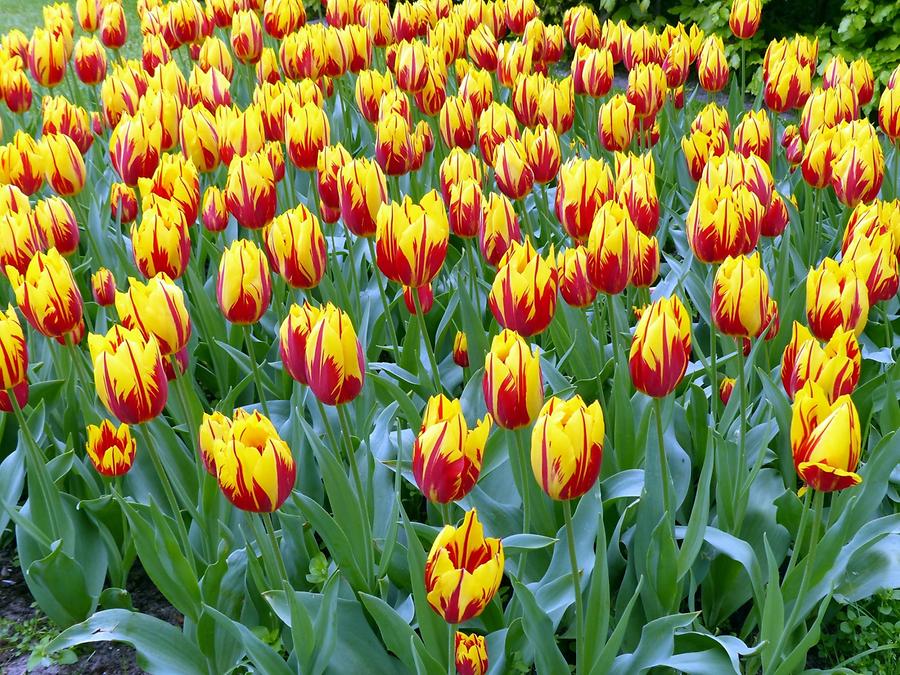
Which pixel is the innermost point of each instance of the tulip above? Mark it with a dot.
(471, 654)
(753, 135)
(581, 26)
(511, 169)
(103, 287)
(646, 90)
(21, 163)
(307, 131)
(22, 239)
(744, 18)
(712, 66)
(17, 91)
(89, 60)
(461, 350)
(889, 113)
(793, 145)
(465, 209)
(371, 85)
(723, 222)
(858, 172)
(293, 338)
(175, 179)
(876, 264)
(47, 57)
(393, 145)
(825, 440)
(156, 309)
(463, 570)
(254, 466)
(297, 247)
(556, 105)
(246, 37)
(447, 454)
(495, 124)
(458, 167)
(640, 47)
(477, 88)
(592, 71)
(615, 123)
(250, 191)
(199, 139)
(828, 108)
(660, 348)
(362, 190)
(835, 368)
(240, 133)
(61, 117)
(611, 249)
(523, 295)
(214, 53)
(500, 228)
(567, 447)
(820, 154)
(740, 296)
(215, 211)
(135, 146)
(47, 294)
(776, 218)
(160, 242)
(334, 361)
(411, 239)
(267, 67)
(514, 59)
(110, 449)
(646, 263)
(871, 220)
(213, 427)
(513, 387)
(129, 374)
(836, 298)
(113, 27)
(55, 219)
(457, 123)
(123, 204)
(726, 389)
(88, 12)
(63, 164)
(244, 287)
(677, 63)
(330, 161)
(584, 186)
(13, 201)
(13, 350)
(700, 146)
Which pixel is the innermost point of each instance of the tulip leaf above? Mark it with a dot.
(539, 629)
(398, 636)
(161, 648)
(516, 543)
(12, 483)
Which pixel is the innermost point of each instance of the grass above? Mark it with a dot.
(27, 14)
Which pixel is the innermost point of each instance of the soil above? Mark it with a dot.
(103, 658)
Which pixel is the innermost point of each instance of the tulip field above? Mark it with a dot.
(437, 338)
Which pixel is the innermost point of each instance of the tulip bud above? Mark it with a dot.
(22, 239)
(712, 66)
(740, 296)
(244, 287)
(21, 163)
(250, 191)
(113, 27)
(363, 190)
(495, 124)
(457, 123)
(835, 298)
(592, 71)
(477, 88)
(14, 352)
(700, 146)
(500, 228)
(297, 247)
(411, 239)
(726, 388)
(611, 249)
(459, 590)
(753, 135)
(458, 167)
(471, 654)
(556, 105)
(129, 374)
(876, 264)
(858, 172)
(828, 108)
(447, 454)
(512, 385)
(110, 450)
(787, 84)
(47, 57)
(47, 294)
(160, 241)
(335, 363)
(213, 428)
(744, 18)
(615, 123)
(199, 138)
(825, 440)
(215, 211)
(461, 350)
(776, 218)
(330, 161)
(889, 113)
(63, 164)
(514, 59)
(646, 264)
(239, 133)
(465, 209)
(123, 204)
(307, 132)
(660, 348)
(371, 85)
(88, 12)
(103, 287)
(567, 447)
(835, 368)
(246, 37)
(544, 153)
(293, 337)
(393, 147)
(723, 222)
(254, 466)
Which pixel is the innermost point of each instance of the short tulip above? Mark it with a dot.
(471, 654)
(461, 350)
(660, 348)
(13, 351)
(297, 247)
(740, 296)
(513, 386)
(110, 449)
(244, 287)
(335, 363)
(293, 336)
(156, 308)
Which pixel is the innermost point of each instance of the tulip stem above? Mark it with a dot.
(814, 228)
(801, 534)
(522, 462)
(808, 565)
(473, 272)
(254, 369)
(357, 481)
(150, 447)
(276, 551)
(445, 513)
(742, 385)
(601, 348)
(613, 330)
(888, 329)
(384, 302)
(451, 649)
(576, 586)
(663, 461)
(743, 70)
(420, 317)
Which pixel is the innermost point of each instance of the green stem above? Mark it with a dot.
(384, 302)
(360, 490)
(888, 329)
(814, 228)
(713, 349)
(601, 349)
(743, 70)
(445, 513)
(150, 448)
(451, 649)
(526, 499)
(663, 462)
(576, 587)
(801, 533)
(420, 317)
(276, 550)
(613, 329)
(473, 271)
(254, 369)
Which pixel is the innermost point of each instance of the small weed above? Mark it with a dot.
(31, 637)
(865, 636)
